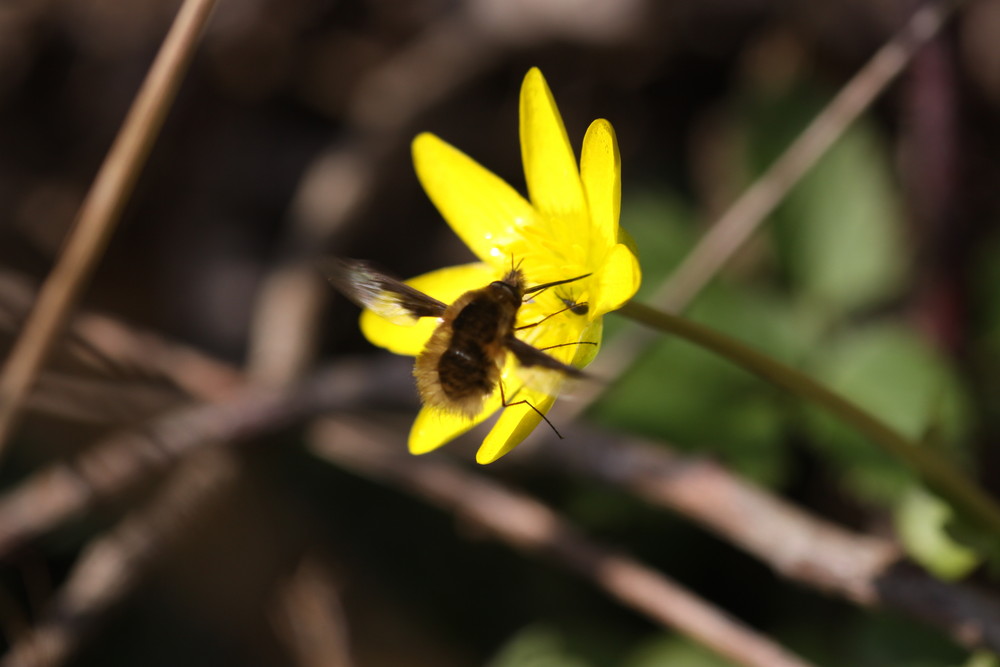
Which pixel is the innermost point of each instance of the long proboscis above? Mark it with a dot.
(554, 283)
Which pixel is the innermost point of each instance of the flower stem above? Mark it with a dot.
(936, 471)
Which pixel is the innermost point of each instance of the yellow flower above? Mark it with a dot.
(569, 228)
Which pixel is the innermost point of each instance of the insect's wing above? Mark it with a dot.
(543, 373)
(385, 296)
(530, 356)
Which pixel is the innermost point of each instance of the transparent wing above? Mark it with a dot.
(385, 296)
(530, 356)
(539, 371)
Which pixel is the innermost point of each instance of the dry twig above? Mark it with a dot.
(747, 213)
(102, 346)
(68, 490)
(310, 619)
(867, 570)
(100, 211)
(735, 227)
(800, 546)
(532, 527)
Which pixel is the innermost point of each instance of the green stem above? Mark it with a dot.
(935, 470)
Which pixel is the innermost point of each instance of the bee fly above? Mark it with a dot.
(461, 364)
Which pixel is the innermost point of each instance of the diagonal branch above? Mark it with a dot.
(100, 211)
(747, 213)
(309, 617)
(68, 490)
(534, 528)
(867, 570)
(935, 470)
(736, 226)
(798, 545)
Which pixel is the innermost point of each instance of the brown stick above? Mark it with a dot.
(309, 617)
(746, 214)
(100, 211)
(532, 527)
(867, 570)
(800, 546)
(731, 231)
(796, 544)
(66, 490)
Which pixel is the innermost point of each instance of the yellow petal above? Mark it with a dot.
(451, 282)
(549, 164)
(433, 428)
(394, 337)
(444, 285)
(514, 425)
(482, 209)
(586, 353)
(626, 238)
(601, 173)
(619, 279)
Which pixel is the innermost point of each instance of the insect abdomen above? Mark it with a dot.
(466, 371)
(460, 366)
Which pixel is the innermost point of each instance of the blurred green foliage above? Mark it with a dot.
(921, 523)
(822, 293)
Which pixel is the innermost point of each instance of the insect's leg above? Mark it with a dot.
(504, 403)
(582, 342)
(535, 324)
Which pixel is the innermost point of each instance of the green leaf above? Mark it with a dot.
(843, 227)
(678, 651)
(982, 659)
(536, 646)
(663, 230)
(921, 523)
(894, 374)
(698, 400)
(838, 233)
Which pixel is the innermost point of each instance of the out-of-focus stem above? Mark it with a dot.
(936, 471)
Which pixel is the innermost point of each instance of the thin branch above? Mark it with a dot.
(731, 231)
(799, 546)
(71, 489)
(100, 345)
(864, 569)
(937, 471)
(100, 211)
(146, 353)
(532, 527)
(747, 213)
(796, 544)
(309, 617)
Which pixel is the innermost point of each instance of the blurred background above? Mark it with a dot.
(290, 139)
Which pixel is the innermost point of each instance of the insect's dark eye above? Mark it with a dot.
(505, 288)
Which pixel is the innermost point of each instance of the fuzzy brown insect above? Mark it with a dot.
(461, 364)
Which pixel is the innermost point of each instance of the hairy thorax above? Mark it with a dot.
(460, 366)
